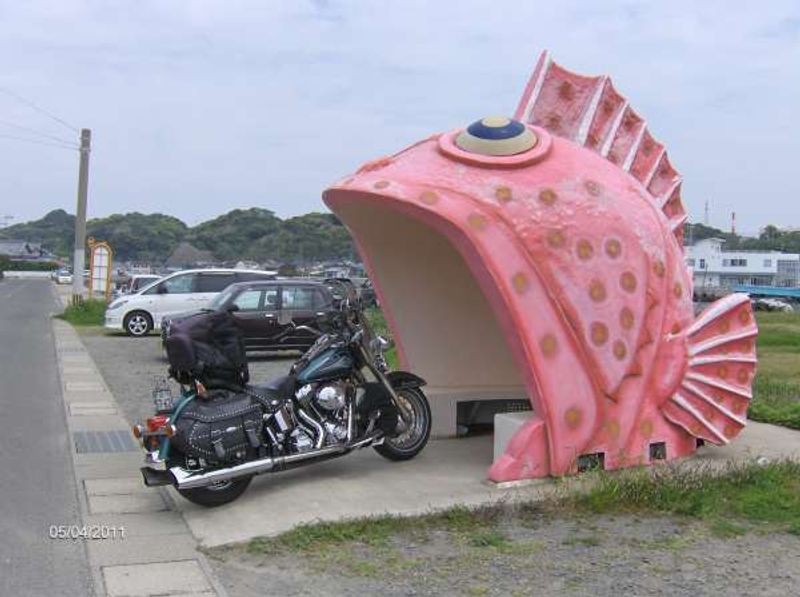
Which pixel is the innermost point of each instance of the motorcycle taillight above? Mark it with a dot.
(155, 423)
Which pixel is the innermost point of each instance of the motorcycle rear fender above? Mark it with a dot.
(403, 379)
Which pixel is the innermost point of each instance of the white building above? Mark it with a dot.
(715, 269)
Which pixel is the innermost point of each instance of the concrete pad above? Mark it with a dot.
(141, 550)
(166, 578)
(115, 486)
(150, 524)
(84, 409)
(447, 473)
(757, 439)
(127, 504)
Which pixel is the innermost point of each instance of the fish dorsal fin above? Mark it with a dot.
(590, 112)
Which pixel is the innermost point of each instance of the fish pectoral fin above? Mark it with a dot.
(712, 399)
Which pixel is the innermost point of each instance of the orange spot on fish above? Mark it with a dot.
(620, 350)
(503, 194)
(573, 418)
(613, 248)
(585, 250)
(599, 333)
(520, 282)
(612, 428)
(381, 184)
(743, 376)
(597, 291)
(722, 371)
(646, 427)
(548, 196)
(677, 290)
(428, 197)
(658, 268)
(744, 316)
(731, 430)
(477, 221)
(626, 318)
(724, 326)
(593, 188)
(548, 345)
(628, 281)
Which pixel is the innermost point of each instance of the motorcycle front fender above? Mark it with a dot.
(404, 379)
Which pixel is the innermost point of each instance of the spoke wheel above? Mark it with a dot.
(413, 431)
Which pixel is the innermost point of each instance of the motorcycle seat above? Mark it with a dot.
(282, 386)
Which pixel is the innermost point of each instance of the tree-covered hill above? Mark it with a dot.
(254, 233)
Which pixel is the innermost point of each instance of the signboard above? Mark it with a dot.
(100, 258)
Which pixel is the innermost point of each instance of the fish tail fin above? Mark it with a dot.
(712, 400)
(588, 110)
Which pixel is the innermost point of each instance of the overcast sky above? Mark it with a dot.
(199, 107)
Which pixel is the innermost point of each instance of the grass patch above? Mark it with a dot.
(376, 531)
(379, 326)
(776, 391)
(740, 493)
(86, 313)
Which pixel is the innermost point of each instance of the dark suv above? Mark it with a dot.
(258, 308)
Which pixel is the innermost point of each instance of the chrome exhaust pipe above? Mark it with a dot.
(188, 480)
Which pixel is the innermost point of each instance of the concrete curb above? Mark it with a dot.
(157, 555)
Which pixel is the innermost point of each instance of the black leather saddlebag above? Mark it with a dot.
(222, 428)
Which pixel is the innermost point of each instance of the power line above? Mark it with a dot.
(38, 142)
(32, 105)
(34, 131)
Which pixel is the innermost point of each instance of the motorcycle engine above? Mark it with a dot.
(329, 401)
(332, 397)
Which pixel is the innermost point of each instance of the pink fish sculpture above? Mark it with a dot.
(548, 248)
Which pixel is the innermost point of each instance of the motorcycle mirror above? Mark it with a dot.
(233, 307)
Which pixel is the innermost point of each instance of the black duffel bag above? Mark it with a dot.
(221, 428)
(207, 347)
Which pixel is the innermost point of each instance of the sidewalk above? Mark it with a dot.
(157, 555)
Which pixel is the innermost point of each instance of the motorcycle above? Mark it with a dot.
(337, 397)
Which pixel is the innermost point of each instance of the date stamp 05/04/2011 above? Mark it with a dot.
(87, 532)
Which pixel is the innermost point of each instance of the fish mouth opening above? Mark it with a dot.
(443, 308)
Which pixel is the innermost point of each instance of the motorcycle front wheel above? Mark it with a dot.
(416, 416)
(218, 494)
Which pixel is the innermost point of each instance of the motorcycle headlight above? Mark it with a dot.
(116, 304)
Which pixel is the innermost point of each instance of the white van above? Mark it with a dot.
(188, 290)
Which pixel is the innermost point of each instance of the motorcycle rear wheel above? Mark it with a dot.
(413, 439)
(218, 494)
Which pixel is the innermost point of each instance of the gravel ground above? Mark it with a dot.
(597, 556)
(131, 366)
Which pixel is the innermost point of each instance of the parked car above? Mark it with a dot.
(63, 276)
(137, 314)
(260, 307)
(772, 304)
(136, 283)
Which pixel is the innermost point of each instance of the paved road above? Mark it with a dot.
(37, 488)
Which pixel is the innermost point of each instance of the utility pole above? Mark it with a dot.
(79, 257)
